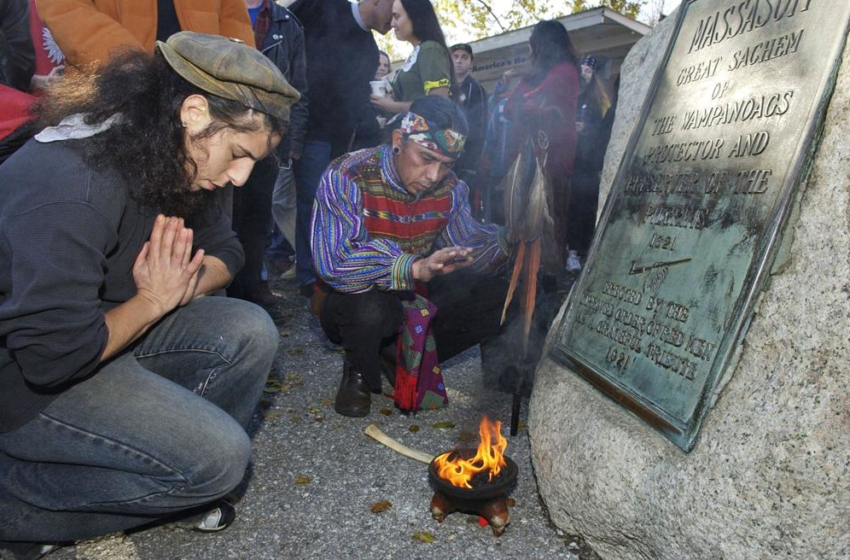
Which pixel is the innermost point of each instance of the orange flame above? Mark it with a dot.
(490, 457)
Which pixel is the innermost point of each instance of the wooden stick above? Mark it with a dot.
(374, 432)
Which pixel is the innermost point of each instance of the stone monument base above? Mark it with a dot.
(768, 477)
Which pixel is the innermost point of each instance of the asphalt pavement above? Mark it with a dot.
(315, 475)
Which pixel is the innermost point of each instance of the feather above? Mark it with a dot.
(532, 266)
(514, 276)
(537, 216)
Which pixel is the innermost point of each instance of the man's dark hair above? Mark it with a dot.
(550, 46)
(441, 111)
(426, 26)
(147, 146)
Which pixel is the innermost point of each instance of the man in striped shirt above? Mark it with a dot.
(389, 224)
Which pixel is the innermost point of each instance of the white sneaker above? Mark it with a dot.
(573, 262)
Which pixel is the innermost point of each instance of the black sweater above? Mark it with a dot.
(68, 238)
(341, 61)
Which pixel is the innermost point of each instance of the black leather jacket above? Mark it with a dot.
(284, 45)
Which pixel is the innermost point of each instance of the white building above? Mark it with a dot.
(601, 32)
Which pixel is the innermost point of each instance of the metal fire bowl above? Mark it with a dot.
(487, 492)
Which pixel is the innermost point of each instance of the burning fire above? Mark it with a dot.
(490, 457)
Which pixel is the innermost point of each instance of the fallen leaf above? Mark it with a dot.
(315, 410)
(340, 351)
(285, 334)
(273, 386)
(414, 428)
(522, 425)
(510, 502)
(381, 506)
(319, 418)
(265, 403)
(303, 480)
(444, 425)
(272, 415)
(386, 412)
(292, 377)
(294, 419)
(286, 388)
(423, 537)
(327, 402)
(296, 352)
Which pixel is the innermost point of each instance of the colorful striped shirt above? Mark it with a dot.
(367, 230)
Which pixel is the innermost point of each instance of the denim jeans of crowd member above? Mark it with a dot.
(308, 170)
(283, 209)
(157, 430)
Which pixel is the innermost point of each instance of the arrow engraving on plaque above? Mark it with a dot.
(641, 268)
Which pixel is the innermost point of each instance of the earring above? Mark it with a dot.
(396, 151)
(183, 125)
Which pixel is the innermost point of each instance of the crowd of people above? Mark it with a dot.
(193, 149)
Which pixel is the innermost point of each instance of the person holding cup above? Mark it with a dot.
(379, 88)
(428, 70)
(381, 84)
(383, 66)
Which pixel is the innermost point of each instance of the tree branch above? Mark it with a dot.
(495, 17)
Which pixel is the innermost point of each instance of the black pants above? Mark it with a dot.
(252, 219)
(468, 310)
(581, 221)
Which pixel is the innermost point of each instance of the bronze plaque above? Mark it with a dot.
(691, 227)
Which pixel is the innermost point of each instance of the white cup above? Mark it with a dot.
(378, 88)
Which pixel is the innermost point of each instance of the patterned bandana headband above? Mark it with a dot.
(425, 133)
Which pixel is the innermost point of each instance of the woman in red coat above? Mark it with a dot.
(545, 101)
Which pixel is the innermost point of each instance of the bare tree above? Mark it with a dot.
(655, 10)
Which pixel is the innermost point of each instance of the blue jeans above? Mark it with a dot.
(308, 171)
(284, 208)
(284, 212)
(158, 430)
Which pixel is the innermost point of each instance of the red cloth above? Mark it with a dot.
(549, 106)
(418, 377)
(48, 55)
(14, 109)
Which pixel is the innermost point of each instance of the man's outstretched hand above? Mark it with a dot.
(165, 272)
(444, 261)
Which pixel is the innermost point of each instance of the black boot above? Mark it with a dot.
(354, 397)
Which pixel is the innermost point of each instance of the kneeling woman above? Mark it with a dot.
(124, 393)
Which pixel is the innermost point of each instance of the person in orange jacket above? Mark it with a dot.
(89, 31)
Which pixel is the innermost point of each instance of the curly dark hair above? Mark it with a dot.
(147, 146)
(550, 46)
(426, 27)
